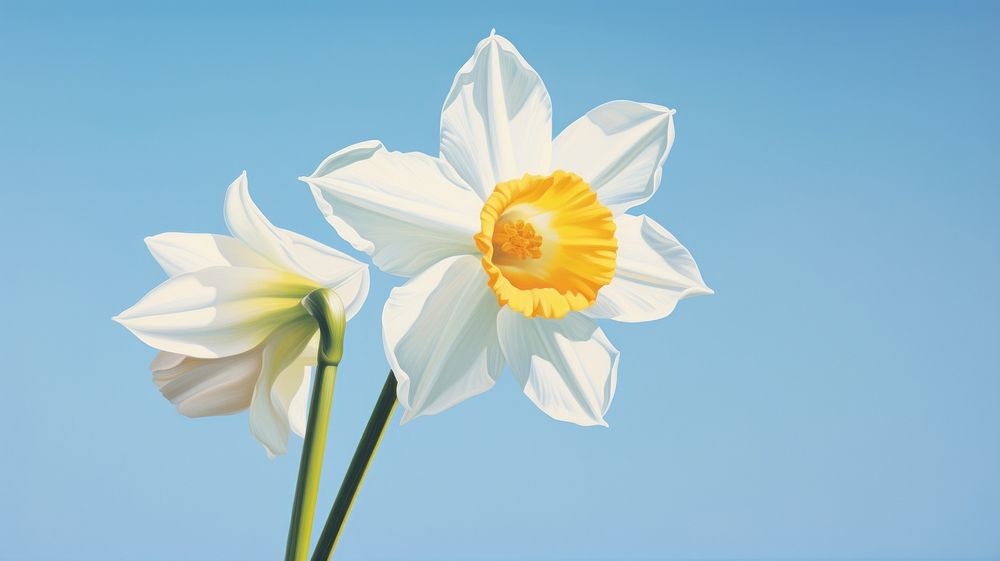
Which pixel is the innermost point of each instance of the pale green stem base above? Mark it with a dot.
(326, 307)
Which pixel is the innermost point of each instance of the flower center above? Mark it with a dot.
(548, 244)
(518, 239)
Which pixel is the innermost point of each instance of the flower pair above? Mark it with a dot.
(514, 245)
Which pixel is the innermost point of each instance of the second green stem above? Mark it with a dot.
(370, 439)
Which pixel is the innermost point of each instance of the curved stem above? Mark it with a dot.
(325, 306)
(367, 446)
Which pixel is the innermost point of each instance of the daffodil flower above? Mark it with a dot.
(229, 322)
(515, 243)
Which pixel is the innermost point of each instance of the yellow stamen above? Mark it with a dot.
(519, 239)
(548, 244)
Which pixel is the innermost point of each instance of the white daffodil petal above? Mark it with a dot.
(293, 384)
(653, 272)
(282, 375)
(353, 291)
(619, 148)
(165, 361)
(331, 268)
(407, 211)
(248, 224)
(184, 253)
(298, 400)
(295, 252)
(567, 367)
(218, 311)
(440, 336)
(496, 123)
(201, 387)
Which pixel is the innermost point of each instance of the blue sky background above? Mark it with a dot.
(835, 175)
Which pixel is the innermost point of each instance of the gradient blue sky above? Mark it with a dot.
(835, 175)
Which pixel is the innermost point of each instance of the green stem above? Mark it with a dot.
(325, 306)
(367, 446)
